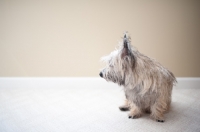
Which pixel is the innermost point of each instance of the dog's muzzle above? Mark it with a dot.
(101, 74)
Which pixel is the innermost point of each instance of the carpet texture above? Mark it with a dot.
(90, 109)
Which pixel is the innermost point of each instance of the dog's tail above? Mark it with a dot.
(173, 78)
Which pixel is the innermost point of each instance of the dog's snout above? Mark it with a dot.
(101, 74)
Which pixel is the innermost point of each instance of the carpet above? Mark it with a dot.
(88, 106)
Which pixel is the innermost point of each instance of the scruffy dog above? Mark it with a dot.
(147, 84)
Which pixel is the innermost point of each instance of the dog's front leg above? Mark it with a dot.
(125, 107)
(157, 112)
(135, 111)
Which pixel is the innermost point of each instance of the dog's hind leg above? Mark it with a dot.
(125, 107)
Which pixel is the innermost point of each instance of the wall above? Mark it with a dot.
(67, 38)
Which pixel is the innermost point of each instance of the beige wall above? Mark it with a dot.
(67, 38)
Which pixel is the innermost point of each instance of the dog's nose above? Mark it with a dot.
(101, 74)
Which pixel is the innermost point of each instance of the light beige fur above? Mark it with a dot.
(147, 84)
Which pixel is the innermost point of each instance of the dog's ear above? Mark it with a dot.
(125, 35)
(125, 50)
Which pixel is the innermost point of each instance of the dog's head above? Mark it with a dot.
(119, 63)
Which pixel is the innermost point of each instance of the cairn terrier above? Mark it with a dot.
(147, 84)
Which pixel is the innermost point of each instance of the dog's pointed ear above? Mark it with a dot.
(125, 35)
(126, 40)
(125, 50)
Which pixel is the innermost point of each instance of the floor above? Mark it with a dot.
(90, 109)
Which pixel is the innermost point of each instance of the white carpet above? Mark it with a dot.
(86, 106)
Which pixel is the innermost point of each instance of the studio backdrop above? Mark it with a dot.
(68, 38)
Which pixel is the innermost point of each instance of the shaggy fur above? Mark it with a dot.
(147, 84)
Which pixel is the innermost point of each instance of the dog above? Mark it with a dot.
(147, 84)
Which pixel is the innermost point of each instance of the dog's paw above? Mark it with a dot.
(160, 121)
(133, 116)
(124, 108)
